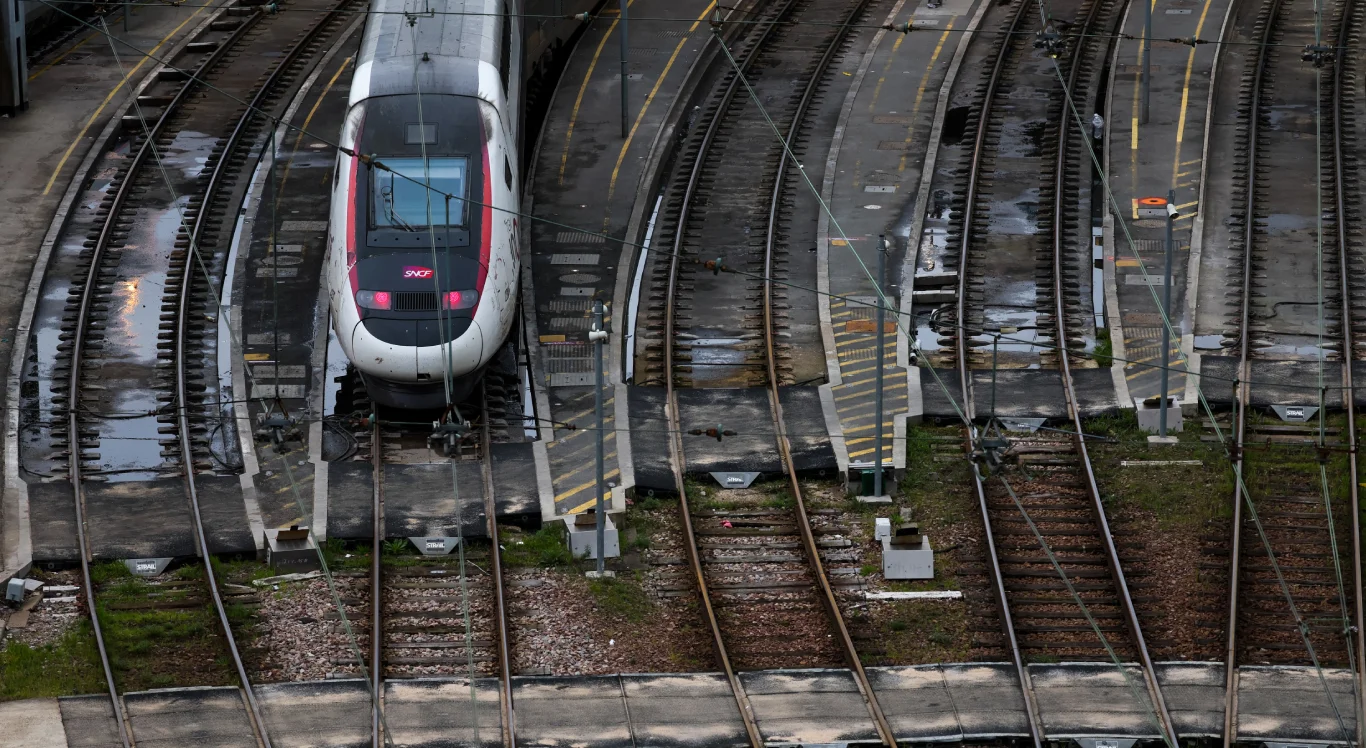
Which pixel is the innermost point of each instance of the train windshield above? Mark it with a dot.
(402, 198)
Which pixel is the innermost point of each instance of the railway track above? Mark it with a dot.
(109, 354)
(441, 616)
(754, 555)
(1290, 600)
(1019, 274)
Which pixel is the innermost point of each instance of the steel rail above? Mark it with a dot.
(377, 586)
(1092, 489)
(677, 457)
(809, 547)
(221, 173)
(1244, 372)
(1349, 349)
(77, 350)
(1036, 732)
(1060, 320)
(496, 569)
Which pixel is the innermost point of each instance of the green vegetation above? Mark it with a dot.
(938, 483)
(622, 597)
(1104, 352)
(1178, 495)
(68, 667)
(161, 635)
(544, 548)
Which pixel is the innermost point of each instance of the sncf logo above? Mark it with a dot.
(416, 271)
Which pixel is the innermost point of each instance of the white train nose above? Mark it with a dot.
(380, 359)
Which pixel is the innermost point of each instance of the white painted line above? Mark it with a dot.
(923, 595)
(1158, 463)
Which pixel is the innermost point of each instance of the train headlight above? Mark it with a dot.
(460, 299)
(374, 300)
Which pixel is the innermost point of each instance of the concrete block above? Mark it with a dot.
(882, 528)
(1150, 415)
(291, 551)
(907, 561)
(583, 536)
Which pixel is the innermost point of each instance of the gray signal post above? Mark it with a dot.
(881, 361)
(1167, 311)
(598, 336)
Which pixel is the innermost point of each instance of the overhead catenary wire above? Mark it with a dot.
(904, 27)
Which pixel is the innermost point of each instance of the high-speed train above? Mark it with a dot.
(423, 261)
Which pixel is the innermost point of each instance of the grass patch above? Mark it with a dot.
(239, 571)
(937, 486)
(1178, 495)
(1104, 352)
(926, 631)
(544, 548)
(66, 668)
(621, 597)
(163, 647)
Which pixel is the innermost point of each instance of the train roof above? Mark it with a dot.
(455, 47)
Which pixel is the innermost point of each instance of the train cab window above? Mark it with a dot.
(405, 203)
(507, 172)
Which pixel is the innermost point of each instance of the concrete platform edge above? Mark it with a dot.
(251, 461)
(545, 489)
(15, 529)
(1191, 397)
(915, 398)
(1112, 312)
(832, 363)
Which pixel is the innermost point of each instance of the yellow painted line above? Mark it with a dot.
(100, 110)
(58, 59)
(920, 91)
(1126, 262)
(885, 448)
(256, 356)
(316, 103)
(584, 487)
(586, 413)
(869, 427)
(584, 467)
(1190, 204)
(612, 186)
(578, 101)
(1138, 374)
(900, 383)
(877, 90)
(561, 455)
(1185, 97)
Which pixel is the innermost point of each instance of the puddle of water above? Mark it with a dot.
(927, 338)
(1209, 342)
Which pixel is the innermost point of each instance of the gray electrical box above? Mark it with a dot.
(14, 591)
(906, 552)
(1149, 414)
(291, 551)
(583, 536)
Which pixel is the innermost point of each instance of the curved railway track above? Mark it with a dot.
(429, 624)
(1292, 596)
(756, 562)
(138, 184)
(1042, 485)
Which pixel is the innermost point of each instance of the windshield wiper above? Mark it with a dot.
(387, 195)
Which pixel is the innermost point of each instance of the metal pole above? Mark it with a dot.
(599, 506)
(881, 361)
(625, 115)
(1147, 57)
(1166, 311)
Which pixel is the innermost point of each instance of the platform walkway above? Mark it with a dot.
(925, 703)
(1146, 160)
